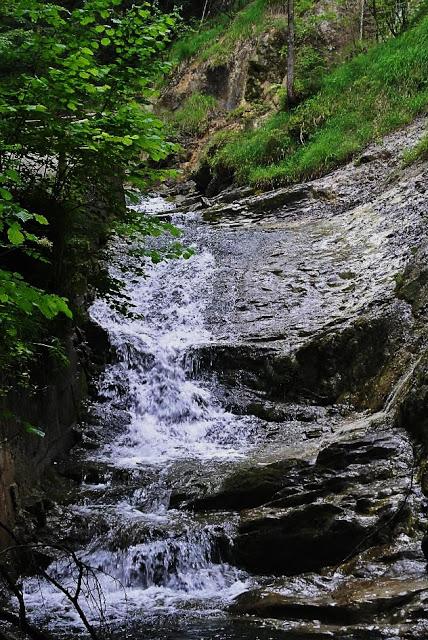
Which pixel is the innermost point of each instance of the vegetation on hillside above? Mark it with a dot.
(193, 116)
(217, 41)
(419, 152)
(360, 101)
(378, 83)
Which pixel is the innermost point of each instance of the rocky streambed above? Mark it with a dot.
(255, 463)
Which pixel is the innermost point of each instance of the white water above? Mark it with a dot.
(169, 417)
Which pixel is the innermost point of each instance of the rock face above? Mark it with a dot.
(313, 312)
(298, 516)
(360, 602)
(328, 307)
(353, 497)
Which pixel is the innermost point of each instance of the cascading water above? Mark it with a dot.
(290, 309)
(170, 415)
(153, 557)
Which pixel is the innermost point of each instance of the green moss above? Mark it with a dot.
(193, 116)
(360, 101)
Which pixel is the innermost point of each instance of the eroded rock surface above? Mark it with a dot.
(262, 428)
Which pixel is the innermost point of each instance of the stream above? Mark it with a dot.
(184, 541)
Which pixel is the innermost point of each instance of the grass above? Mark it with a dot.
(217, 41)
(193, 116)
(195, 42)
(419, 152)
(360, 101)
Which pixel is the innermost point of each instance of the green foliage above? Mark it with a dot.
(217, 40)
(75, 104)
(196, 39)
(5, 414)
(391, 17)
(23, 310)
(310, 68)
(419, 152)
(135, 227)
(360, 101)
(194, 115)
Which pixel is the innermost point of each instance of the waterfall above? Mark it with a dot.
(171, 419)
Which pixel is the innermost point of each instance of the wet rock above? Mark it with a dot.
(241, 200)
(297, 539)
(222, 210)
(357, 452)
(356, 602)
(89, 471)
(424, 546)
(281, 412)
(412, 412)
(172, 188)
(309, 516)
(232, 194)
(412, 285)
(186, 203)
(380, 155)
(252, 486)
(333, 366)
(278, 198)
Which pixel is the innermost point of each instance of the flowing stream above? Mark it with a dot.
(169, 427)
(172, 432)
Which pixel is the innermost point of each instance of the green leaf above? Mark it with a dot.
(87, 20)
(5, 194)
(29, 428)
(40, 219)
(13, 175)
(15, 234)
(24, 215)
(105, 41)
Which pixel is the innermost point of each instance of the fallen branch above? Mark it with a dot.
(86, 582)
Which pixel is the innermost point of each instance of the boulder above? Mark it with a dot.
(299, 539)
(251, 486)
(357, 602)
(297, 516)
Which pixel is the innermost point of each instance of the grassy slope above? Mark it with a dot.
(360, 101)
(192, 118)
(217, 41)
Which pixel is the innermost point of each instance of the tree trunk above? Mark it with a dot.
(362, 16)
(204, 11)
(376, 19)
(291, 98)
